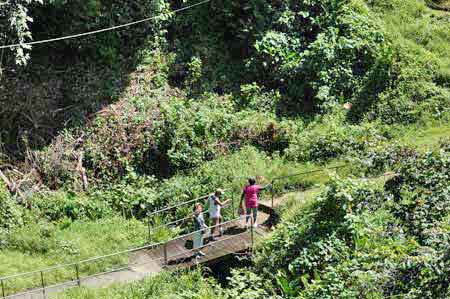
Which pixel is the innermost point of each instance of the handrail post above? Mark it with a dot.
(272, 191)
(166, 261)
(232, 203)
(43, 284)
(3, 289)
(149, 229)
(272, 212)
(251, 232)
(77, 272)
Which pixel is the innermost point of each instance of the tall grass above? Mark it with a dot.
(163, 286)
(35, 247)
(411, 23)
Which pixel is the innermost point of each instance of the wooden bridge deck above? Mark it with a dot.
(234, 240)
(170, 256)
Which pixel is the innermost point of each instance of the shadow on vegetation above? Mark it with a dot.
(66, 82)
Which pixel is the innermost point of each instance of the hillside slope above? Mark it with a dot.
(277, 82)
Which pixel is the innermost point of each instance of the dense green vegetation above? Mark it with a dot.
(352, 239)
(98, 131)
(359, 240)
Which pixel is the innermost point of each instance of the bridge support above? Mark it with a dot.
(77, 273)
(166, 261)
(3, 289)
(149, 230)
(252, 236)
(43, 284)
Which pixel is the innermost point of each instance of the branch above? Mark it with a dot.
(82, 172)
(433, 5)
(5, 179)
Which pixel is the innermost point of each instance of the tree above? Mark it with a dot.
(15, 29)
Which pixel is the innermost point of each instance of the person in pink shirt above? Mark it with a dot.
(250, 195)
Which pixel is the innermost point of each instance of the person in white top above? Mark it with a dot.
(215, 204)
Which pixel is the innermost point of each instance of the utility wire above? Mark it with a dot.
(104, 29)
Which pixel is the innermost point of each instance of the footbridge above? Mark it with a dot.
(138, 263)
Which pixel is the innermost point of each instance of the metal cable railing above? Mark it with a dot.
(76, 265)
(79, 278)
(233, 203)
(168, 208)
(183, 219)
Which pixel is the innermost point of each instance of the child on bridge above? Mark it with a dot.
(200, 229)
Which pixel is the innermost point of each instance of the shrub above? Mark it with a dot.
(421, 191)
(57, 205)
(340, 200)
(423, 276)
(244, 284)
(158, 137)
(58, 163)
(382, 157)
(301, 247)
(330, 140)
(34, 238)
(131, 197)
(318, 53)
(357, 241)
(10, 212)
(254, 98)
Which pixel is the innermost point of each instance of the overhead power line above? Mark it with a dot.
(102, 30)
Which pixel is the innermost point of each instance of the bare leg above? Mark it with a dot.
(215, 223)
(220, 227)
(255, 216)
(248, 215)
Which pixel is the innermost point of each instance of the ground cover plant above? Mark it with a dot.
(42, 245)
(368, 240)
(166, 285)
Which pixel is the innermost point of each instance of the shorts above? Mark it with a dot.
(255, 213)
(215, 214)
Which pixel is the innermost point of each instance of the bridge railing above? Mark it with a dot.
(185, 210)
(230, 224)
(75, 274)
(48, 278)
(64, 274)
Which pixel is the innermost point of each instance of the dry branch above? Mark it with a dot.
(5, 179)
(82, 171)
(436, 6)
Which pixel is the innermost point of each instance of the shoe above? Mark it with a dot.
(255, 225)
(200, 253)
(213, 239)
